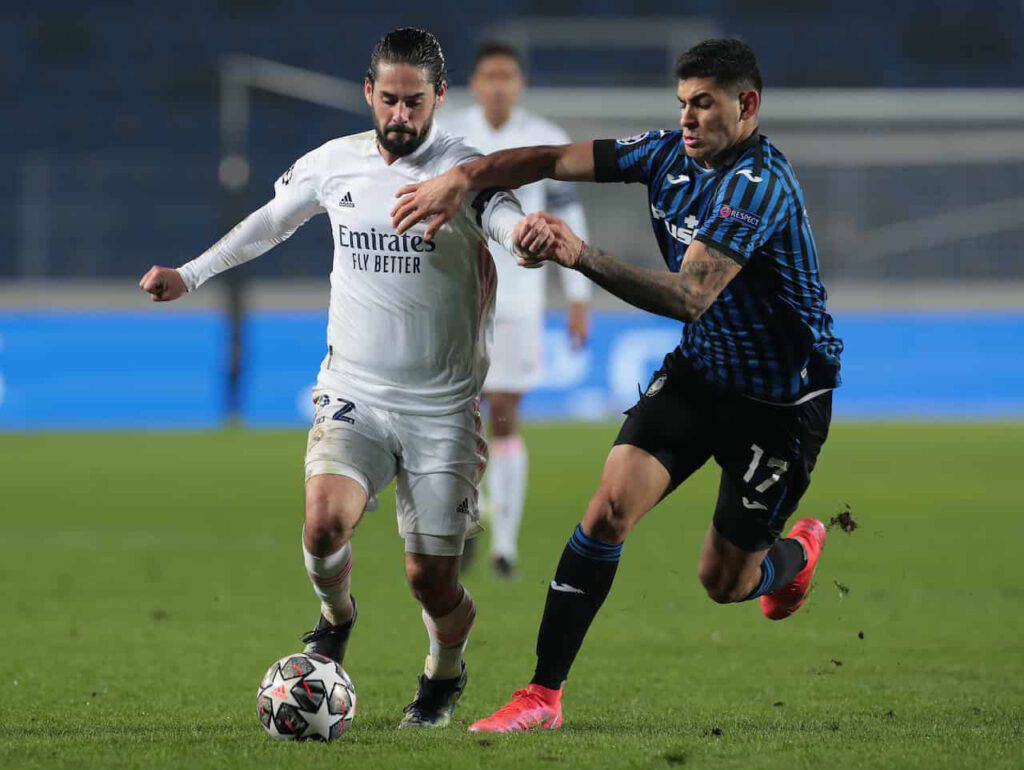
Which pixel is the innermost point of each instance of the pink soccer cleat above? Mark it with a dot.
(532, 708)
(789, 598)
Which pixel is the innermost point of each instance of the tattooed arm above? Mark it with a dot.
(684, 295)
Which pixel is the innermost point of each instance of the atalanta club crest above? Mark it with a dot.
(656, 386)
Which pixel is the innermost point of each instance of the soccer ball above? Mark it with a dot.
(306, 696)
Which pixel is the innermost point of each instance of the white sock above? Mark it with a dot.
(509, 469)
(330, 577)
(448, 637)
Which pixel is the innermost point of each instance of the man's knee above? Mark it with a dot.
(329, 522)
(632, 483)
(723, 586)
(422, 580)
(434, 583)
(607, 517)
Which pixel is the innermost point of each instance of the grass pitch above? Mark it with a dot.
(148, 581)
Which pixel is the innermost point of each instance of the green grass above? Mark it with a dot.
(148, 581)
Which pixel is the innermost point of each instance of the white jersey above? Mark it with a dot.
(409, 319)
(521, 292)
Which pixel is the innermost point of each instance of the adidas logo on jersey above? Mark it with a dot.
(463, 507)
(346, 202)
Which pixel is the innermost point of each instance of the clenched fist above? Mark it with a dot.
(546, 237)
(531, 237)
(163, 283)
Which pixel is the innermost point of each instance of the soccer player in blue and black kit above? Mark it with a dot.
(749, 383)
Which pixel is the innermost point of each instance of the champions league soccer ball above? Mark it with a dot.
(306, 696)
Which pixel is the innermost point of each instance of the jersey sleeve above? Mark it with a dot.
(295, 200)
(633, 159)
(496, 212)
(493, 213)
(296, 192)
(748, 209)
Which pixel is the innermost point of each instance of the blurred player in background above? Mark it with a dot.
(750, 383)
(397, 392)
(498, 123)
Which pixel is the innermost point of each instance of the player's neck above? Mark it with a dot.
(497, 118)
(727, 155)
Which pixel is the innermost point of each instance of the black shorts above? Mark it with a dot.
(766, 452)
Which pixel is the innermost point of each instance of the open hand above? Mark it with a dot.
(438, 198)
(163, 284)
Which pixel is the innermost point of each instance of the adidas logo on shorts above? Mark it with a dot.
(463, 507)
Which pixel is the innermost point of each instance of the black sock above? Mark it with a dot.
(582, 581)
(780, 565)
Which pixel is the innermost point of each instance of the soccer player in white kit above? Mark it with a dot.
(497, 123)
(397, 393)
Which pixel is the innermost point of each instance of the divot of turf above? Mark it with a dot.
(844, 520)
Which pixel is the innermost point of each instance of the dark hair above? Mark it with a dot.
(409, 45)
(496, 48)
(729, 61)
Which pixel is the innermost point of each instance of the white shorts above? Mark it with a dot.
(438, 462)
(515, 355)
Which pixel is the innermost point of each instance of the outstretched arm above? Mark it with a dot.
(256, 234)
(441, 196)
(295, 201)
(685, 295)
(524, 165)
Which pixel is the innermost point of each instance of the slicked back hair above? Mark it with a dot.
(413, 46)
(731, 62)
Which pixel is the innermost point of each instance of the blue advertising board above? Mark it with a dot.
(924, 365)
(112, 370)
(105, 369)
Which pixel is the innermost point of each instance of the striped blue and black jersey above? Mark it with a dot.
(768, 335)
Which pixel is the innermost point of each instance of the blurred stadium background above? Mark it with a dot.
(150, 569)
(138, 133)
